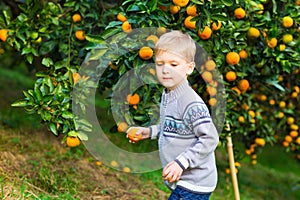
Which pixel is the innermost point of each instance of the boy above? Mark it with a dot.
(186, 134)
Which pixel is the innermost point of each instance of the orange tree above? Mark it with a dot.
(253, 49)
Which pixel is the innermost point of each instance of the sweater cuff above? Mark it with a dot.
(153, 131)
(182, 162)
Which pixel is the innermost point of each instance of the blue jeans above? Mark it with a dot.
(182, 194)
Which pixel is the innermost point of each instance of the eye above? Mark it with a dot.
(174, 64)
(159, 64)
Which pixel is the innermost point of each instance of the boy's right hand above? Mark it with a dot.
(136, 134)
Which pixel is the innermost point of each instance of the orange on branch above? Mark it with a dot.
(145, 53)
(79, 34)
(154, 38)
(72, 141)
(126, 27)
(243, 54)
(272, 43)
(216, 26)
(121, 18)
(205, 34)
(239, 13)
(3, 35)
(287, 22)
(76, 77)
(230, 76)
(181, 3)
(253, 32)
(188, 23)
(192, 10)
(210, 65)
(133, 99)
(243, 85)
(174, 9)
(76, 18)
(232, 58)
(207, 76)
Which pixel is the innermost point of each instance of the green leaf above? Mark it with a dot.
(47, 62)
(52, 128)
(19, 103)
(227, 2)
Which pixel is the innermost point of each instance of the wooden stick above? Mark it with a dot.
(232, 168)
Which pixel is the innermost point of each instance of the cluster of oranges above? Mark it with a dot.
(258, 142)
(79, 34)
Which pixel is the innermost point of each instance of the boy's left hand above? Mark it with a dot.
(172, 172)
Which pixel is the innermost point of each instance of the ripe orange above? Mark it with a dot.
(192, 10)
(230, 76)
(280, 115)
(79, 34)
(298, 140)
(282, 104)
(216, 27)
(239, 13)
(145, 53)
(212, 91)
(3, 34)
(232, 58)
(290, 120)
(126, 27)
(133, 99)
(281, 47)
(161, 30)
(287, 38)
(122, 127)
(237, 90)
(212, 101)
(272, 102)
(132, 135)
(294, 127)
(207, 76)
(76, 18)
(251, 113)
(272, 43)
(188, 23)
(297, 2)
(260, 141)
(287, 22)
(126, 170)
(253, 32)
(152, 71)
(174, 9)
(288, 138)
(72, 141)
(243, 85)
(121, 17)
(154, 38)
(181, 3)
(241, 119)
(243, 54)
(294, 133)
(205, 34)
(210, 65)
(76, 77)
(114, 163)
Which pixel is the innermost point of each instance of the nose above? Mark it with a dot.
(165, 69)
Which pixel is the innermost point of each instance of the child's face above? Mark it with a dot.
(172, 69)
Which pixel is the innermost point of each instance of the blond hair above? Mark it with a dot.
(178, 43)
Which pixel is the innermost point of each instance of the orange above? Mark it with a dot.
(230, 76)
(154, 38)
(281, 47)
(297, 2)
(79, 34)
(239, 13)
(174, 9)
(181, 3)
(243, 85)
(243, 54)
(122, 127)
(272, 102)
(132, 135)
(76, 18)
(210, 65)
(282, 104)
(152, 71)
(205, 34)
(133, 99)
(272, 43)
(290, 120)
(232, 58)
(216, 27)
(161, 30)
(126, 27)
(287, 22)
(212, 91)
(294, 133)
(287, 38)
(145, 53)
(288, 138)
(76, 77)
(251, 113)
(212, 101)
(260, 141)
(114, 163)
(237, 90)
(280, 115)
(241, 119)
(294, 127)
(296, 88)
(3, 34)
(188, 23)
(121, 17)
(192, 10)
(253, 162)
(73, 141)
(298, 140)
(114, 67)
(207, 76)
(253, 32)
(261, 8)
(126, 169)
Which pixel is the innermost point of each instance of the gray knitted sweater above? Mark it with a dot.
(187, 135)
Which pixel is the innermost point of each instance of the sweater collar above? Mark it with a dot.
(177, 92)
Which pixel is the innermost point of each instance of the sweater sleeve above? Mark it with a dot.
(154, 131)
(197, 118)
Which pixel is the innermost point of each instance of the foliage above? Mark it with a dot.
(271, 68)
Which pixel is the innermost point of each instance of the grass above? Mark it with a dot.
(35, 165)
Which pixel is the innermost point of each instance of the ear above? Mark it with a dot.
(190, 69)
